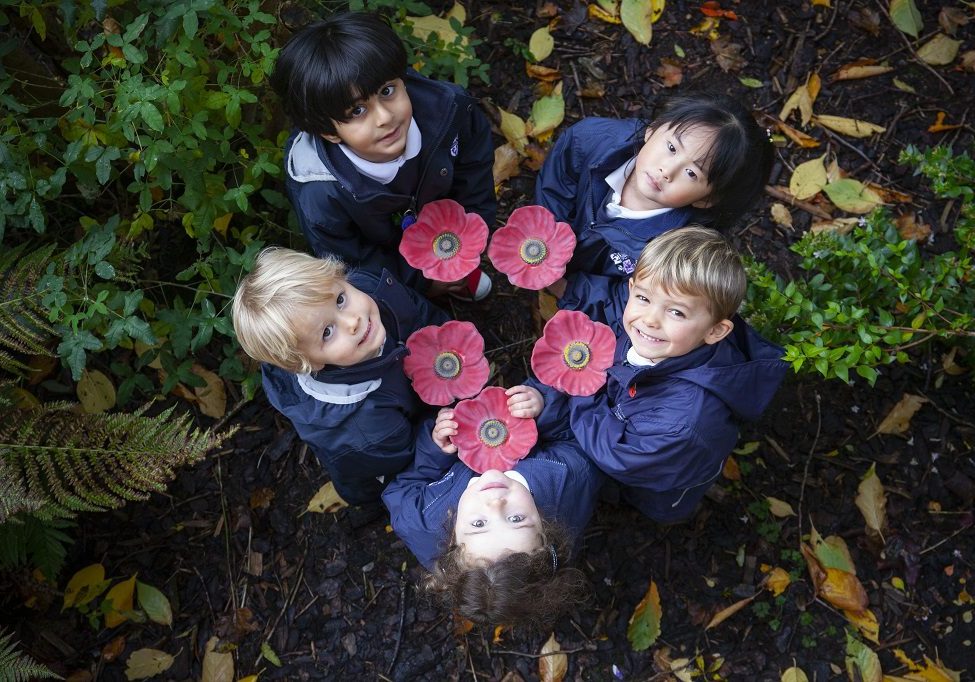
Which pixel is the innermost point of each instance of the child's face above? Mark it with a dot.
(377, 127)
(667, 173)
(664, 324)
(496, 516)
(344, 331)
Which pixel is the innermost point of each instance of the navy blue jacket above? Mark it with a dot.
(572, 184)
(664, 431)
(359, 420)
(345, 213)
(563, 482)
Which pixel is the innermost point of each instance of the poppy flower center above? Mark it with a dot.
(493, 433)
(447, 365)
(576, 355)
(446, 245)
(533, 251)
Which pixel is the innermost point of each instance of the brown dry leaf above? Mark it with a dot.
(670, 72)
(506, 164)
(850, 127)
(593, 90)
(113, 649)
(865, 19)
(779, 508)
(871, 500)
(798, 137)
(802, 99)
(968, 61)
(596, 12)
(553, 664)
(730, 470)
(821, 3)
(840, 226)
(951, 19)
(535, 156)
(817, 574)
(261, 498)
(949, 365)
(728, 54)
(547, 10)
(232, 628)
(866, 622)
(777, 581)
(861, 68)
(213, 396)
(144, 663)
(255, 563)
(462, 626)
(930, 671)
(498, 631)
(217, 667)
(891, 196)
(939, 51)
(41, 367)
(909, 228)
(843, 590)
(781, 215)
(726, 613)
(898, 420)
(326, 500)
(542, 73)
(939, 125)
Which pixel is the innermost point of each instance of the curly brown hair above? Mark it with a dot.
(523, 589)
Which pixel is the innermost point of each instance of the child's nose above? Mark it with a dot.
(383, 114)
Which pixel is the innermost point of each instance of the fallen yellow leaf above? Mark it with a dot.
(726, 613)
(96, 393)
(851, 127)
(85, 585)
(779, 508)
(871, 500)
(777, 581)
(507, 163)
(808, 179)
(898, 420)
(843, 590)
(119, 598)
(866, 622)
(326, 500)
(552, 664)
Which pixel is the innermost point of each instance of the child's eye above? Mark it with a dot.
(340, 300)
(516, 518)
(327, 332)
(387, 90)
(357, 111)
(642, 299)
(671, 148)
(691, 174)
(478, 523)
(676, 313)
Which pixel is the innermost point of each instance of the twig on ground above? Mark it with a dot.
(805, 471)
(781, 195)
(402, 619)
(914, 52)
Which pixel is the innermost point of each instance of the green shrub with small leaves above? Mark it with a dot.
(868, 298)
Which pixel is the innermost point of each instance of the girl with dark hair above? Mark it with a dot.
(620, 183)
(498, 545)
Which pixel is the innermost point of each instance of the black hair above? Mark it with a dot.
(740, 159)
(326, 67)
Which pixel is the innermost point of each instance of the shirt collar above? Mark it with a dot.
(616, 180)
(385, 171)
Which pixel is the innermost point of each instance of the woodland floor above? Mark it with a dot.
(330, 595)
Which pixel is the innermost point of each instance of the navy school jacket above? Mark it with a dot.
(564, 483)
(345, 213)
(359, 420)
(664, 431)
(572, 184)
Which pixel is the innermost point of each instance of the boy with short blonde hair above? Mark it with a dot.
(332, 349)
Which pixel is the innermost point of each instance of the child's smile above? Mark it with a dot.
(344, 331)
(377, 126)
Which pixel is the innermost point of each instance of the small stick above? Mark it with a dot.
(402, 618)
(781, 195)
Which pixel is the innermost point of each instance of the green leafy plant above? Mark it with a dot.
(868, 298)
(18, 667)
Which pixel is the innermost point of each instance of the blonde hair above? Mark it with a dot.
(282, 282)
(696, 261)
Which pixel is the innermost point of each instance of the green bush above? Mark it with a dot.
(867, 298)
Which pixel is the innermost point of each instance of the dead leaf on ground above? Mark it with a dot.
(851, 127)
(552, 664)
(707, 28)
(939, 125)
(643, 628)
(547, 10)
(595, 11)
(794, 674)
(145, 663)
(506, 164)
(939, 51)
(711, 8)
(802, 98)
(670, 72)
(865, 19)
(726, 613)
(898, 420)
(931, 671)
(951, 19)
(326, 500)
(909, 228)
(861, 68)
(808, 179)
(839, 226)
(730, 470)
(96, 393)
(831, 551)
(890, 195)
(968, 61)
(217, 667)
(843, 590)
(866, 622)
(513, 129)
(542, 73)
(728, 54)
(541, 43)
(777, 581)
(852, 196)
(781, 215)
(212, 396)
(949, 365)
(797, 136)
(871, 500)
(113, 649)
(234, 627)
(592, 90)
(120, 599)
(261, 498)
(861, 661)
(779, 508)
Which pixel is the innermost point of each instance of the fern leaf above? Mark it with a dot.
(23, 320)
(94, 462)
(18, 667)
(33, 542)
(14, 497)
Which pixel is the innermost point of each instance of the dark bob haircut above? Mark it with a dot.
(739, 162)
(328, 66)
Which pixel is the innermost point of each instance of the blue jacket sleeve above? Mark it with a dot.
(558, 182)
(601, 298)
(473, 185)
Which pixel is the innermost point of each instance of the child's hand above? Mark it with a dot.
(443, 429)
(557, 288)
(524, 401)
(440, 288)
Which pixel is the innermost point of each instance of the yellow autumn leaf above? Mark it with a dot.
(119, 599)
(638, 17)
(96, 393)
(547, 114)
(838, 226)
(249, 678)
(552, 664)
(513, 129)
(423, 27)
(145, 663)
(939, 51)
(843, 590)
(930, 671)
(781, 215)
(861, 662)
(808, 179)
(778, 579)
(506, 164)
(726, 613)
(217, 667)
(798, 137)
(794, 674)
(779, 508)
(211, 397)
(644, 625)
(85, 585)
(541, 44)
(871, 500)
(326, 500)
(866, 622)
(898, 420)
(856, 71)
(802, 98)
(602, 14)
(851, 127)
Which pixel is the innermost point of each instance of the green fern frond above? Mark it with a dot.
(14, 497)
(23, 320)
(18, 667)
(32, 542)
(94, 462)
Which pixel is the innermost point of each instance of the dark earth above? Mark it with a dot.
(334, 595)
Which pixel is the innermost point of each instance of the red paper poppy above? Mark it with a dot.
(574, 353)
(532, 249)
(446, 362)
(488, 437)
(445, 242)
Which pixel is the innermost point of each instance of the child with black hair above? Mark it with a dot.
(499, 545)
(620, 183)
(375, 142)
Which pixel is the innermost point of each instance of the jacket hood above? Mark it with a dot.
(743, 370)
